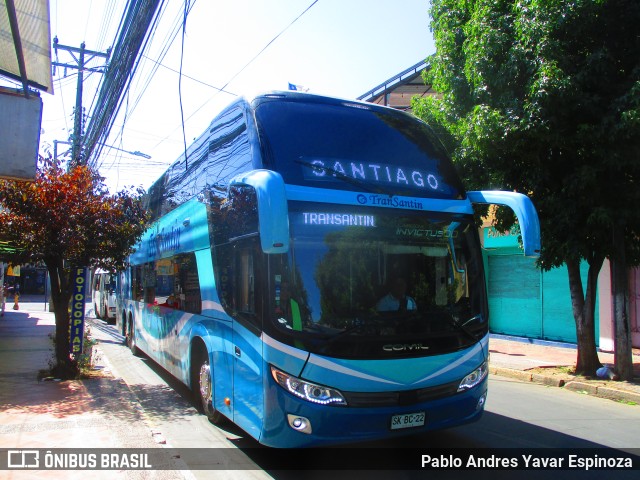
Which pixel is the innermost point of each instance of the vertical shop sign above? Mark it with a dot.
(76, 334)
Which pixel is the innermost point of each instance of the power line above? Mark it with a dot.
(268, 44)
(184, 28)
(166, 44)
(106, 108)
(189, 77)
(139, 16)
(224, 87)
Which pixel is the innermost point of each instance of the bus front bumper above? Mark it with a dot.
(293, 422)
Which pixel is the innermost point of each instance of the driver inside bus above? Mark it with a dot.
(397, 299)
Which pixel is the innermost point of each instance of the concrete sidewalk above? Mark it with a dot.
(94, 413)
(99, 412)
(537, 361)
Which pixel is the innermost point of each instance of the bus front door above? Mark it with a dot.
(247, 342)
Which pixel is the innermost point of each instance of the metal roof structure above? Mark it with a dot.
(25, 43)
(25, 57)
(397, 91)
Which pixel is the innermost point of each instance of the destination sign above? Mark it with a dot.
(329, 169)
(341, 219)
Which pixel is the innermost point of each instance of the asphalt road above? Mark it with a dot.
(519, 416)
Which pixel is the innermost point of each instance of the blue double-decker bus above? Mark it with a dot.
(315, 276)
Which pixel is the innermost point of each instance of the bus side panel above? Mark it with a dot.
(248, 380)
(148, 327)
(135, 310)
(172, 347)
(216, 330)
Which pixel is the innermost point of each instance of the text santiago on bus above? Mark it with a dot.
(275, 239)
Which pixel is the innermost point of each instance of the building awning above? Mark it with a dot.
(25, 43)
(398, 91)
(7, 248)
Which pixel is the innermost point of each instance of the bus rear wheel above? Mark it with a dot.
(204, 391)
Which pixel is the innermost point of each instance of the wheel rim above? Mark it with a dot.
(205, 382)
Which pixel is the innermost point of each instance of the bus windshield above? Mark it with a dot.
(373, 283)
(351, 146)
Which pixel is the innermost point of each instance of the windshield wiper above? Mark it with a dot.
(462, 326)
(346, 178)
(358, 324)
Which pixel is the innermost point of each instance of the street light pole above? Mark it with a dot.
(137, 153)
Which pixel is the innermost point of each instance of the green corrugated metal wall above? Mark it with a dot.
(526, 302)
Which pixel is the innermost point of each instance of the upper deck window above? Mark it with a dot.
(361, 149)
(219, 154)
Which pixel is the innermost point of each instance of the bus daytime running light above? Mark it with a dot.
(474, 378)
(308, 391)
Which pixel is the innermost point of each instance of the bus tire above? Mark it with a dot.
(204, 390)
(131, 338)
(123, 327)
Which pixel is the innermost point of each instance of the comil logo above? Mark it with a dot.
(23, 459)
(404, 347)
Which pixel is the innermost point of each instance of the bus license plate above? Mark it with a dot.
(407, 420)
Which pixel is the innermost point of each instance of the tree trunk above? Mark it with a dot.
(623, 355)
(65, 367)
(584, 306)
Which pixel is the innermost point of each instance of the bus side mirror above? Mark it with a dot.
(524, 210)
(273, 213)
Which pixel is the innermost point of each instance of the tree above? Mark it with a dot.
(68, 219)
(543, 97)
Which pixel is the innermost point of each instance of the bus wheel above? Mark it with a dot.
(205, 392)
(131, 338)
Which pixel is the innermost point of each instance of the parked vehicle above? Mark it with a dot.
(264, 282)
(104, 295)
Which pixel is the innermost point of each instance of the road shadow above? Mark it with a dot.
(399, 458)
(402, 458)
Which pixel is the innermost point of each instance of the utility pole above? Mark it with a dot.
(81, 57)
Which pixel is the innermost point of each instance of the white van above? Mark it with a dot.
(104, 295)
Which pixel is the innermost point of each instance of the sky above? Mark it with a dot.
(340, 48)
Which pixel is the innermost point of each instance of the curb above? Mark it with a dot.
(604, 392)
(573, 385)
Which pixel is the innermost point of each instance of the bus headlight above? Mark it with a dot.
(474, 378)
(308, 391)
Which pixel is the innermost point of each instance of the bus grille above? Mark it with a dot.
(400, 398)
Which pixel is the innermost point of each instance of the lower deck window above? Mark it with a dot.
(169, 282)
